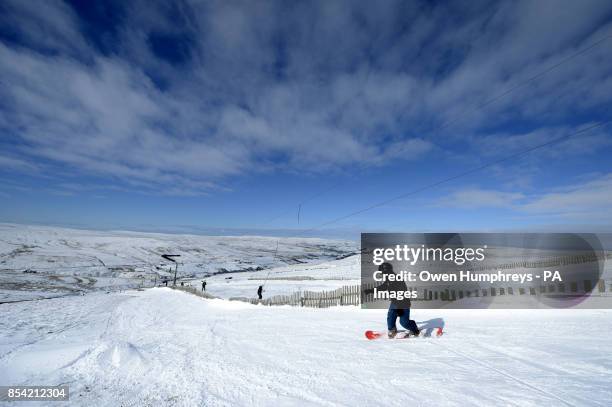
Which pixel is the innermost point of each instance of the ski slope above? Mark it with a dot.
(164, 347)
(285, 280)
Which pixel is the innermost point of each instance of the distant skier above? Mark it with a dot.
(397, 308)
(203, 285)
(259, 291)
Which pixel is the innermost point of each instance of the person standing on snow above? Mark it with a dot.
(203, 285)
(259, 291)
(397, 308)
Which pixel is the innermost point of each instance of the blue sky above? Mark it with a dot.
(218, 116)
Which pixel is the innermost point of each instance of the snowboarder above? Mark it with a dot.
(259, 291)
(203, 285)
(397, 308)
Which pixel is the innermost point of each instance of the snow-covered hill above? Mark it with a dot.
(164, 347)
(39, 262)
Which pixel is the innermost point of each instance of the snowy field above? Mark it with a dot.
(164, 347)
(42, 262)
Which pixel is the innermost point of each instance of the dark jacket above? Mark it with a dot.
(396, 286)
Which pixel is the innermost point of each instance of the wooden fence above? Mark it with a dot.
(351, 295)
(544, 262)
(594, 288)
(346, 295)
(193, 290)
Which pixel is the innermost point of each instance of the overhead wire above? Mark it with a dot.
(460, 175)
(445, 124)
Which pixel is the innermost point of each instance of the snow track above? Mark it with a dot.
(164, 347)
(516, 379)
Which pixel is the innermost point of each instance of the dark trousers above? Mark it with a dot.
(404, 316)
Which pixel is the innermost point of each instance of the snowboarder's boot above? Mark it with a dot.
(413, 328)
(391, 333)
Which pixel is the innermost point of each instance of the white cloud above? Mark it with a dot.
(578, 142)
(314, 87)
(46, 25)
(586, 197)
(474, 198)
(585, 200)
(18, 164)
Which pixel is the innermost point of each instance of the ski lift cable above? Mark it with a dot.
(273, 258)
(460, 175)
(459, 117)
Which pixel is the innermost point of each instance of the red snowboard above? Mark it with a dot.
(400, 335)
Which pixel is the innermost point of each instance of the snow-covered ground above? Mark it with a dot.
(42, 262)
(159, 346)
(285, 280)
(165, 347)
